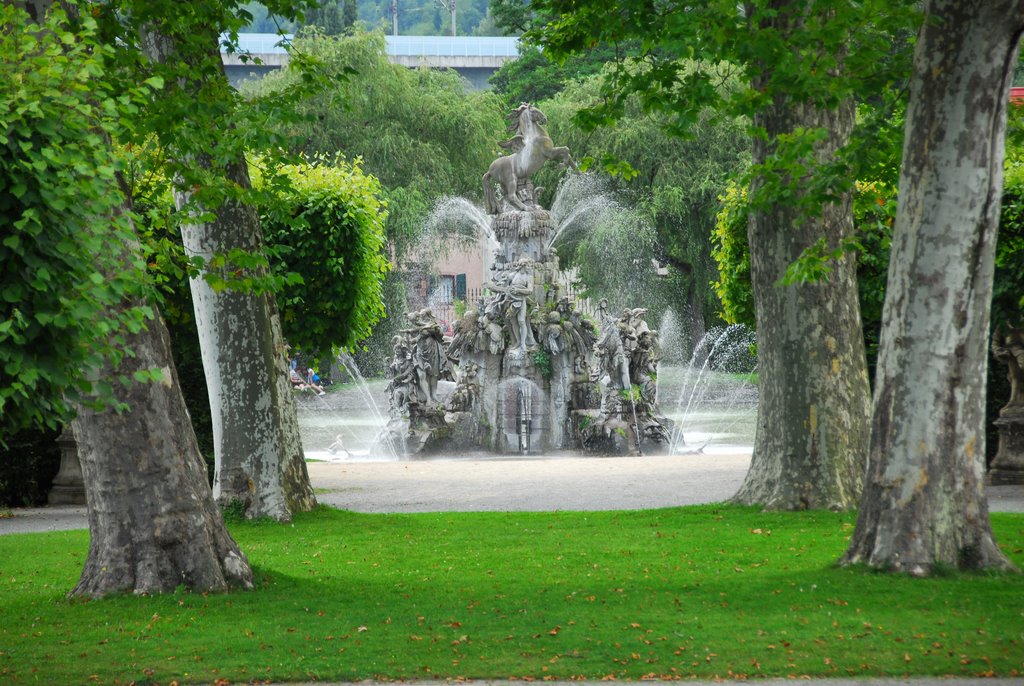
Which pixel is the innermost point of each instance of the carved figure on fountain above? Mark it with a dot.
(403, 377)
(1008, 465)
(515, 301)
(643, 350)
(530, 147)
(429, 357)
(643, 367)
(492, 334)
(467, 390)
(466, 334)
(554, 334)
(612, 364)
(579, 331)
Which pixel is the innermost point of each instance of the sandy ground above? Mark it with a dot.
(530, 483)
(501, 484)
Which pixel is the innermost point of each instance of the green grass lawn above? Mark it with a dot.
(708, 591)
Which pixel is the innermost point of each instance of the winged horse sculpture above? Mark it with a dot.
(531, 147)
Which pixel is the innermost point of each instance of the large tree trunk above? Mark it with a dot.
(153, 525)
(924, 503)
(258, 450)
(813, 411)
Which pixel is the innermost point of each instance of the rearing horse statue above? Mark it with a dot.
(531, 147)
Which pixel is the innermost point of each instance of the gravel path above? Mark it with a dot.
(529, 484)
(487, 483)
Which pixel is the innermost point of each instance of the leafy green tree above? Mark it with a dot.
(61, 227)
(331, 17)
(153, 523)
(337, 247)
(804, 65)
(731, 253)
(534, 76)
(514, 16)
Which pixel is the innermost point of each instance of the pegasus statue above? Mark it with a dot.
(530, 147)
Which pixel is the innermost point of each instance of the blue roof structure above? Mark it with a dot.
(453, 46)
(447, 46)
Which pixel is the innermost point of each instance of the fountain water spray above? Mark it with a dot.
(710, 378)
(395, 450)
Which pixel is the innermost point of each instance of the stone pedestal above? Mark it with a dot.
(1008, 465)
(68, 486)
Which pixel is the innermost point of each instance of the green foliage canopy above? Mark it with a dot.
(827, 53)
(674, 184)
(534, 76)
(337, 246)
(731, 253)
(874, 209)
(62, 269)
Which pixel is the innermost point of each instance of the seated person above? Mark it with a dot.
(338, 445)
(313, 381)
(298, 383)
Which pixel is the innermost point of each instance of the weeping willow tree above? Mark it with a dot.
(419, 131)
(675, 184)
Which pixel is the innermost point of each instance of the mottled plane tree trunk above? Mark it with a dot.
(257, 446)
(814, 408)
(153, 523)
(258, 450)
(924, 503)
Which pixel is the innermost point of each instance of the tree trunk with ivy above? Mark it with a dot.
(813, 411)
(924, 504)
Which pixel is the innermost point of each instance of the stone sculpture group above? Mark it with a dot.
(524, 370)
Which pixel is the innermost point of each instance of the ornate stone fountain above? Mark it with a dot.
(524, 370)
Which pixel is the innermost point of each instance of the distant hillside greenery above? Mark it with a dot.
(415, 18)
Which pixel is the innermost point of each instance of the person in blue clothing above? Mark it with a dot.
(309, 382)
